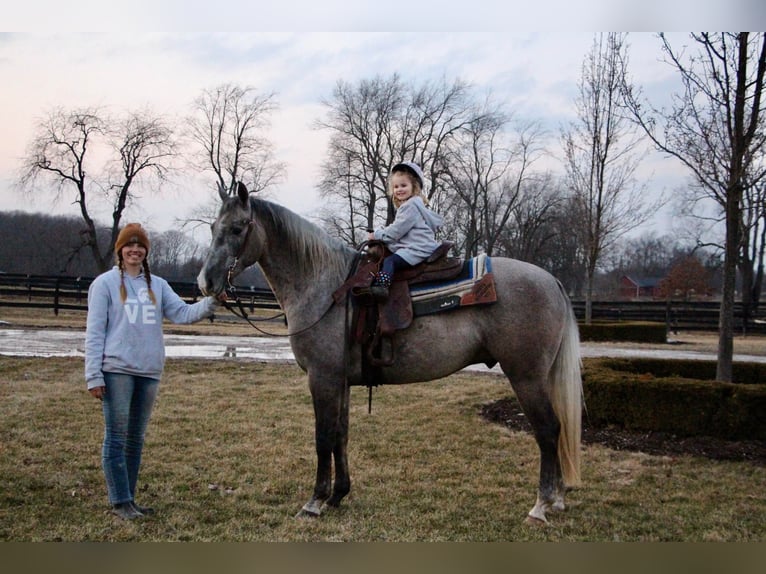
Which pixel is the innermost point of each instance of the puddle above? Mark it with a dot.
(52, 343)
(65, 343)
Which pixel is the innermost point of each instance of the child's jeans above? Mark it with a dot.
(394, 263)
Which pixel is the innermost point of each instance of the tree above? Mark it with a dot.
(715, 127)
(487, 168)
(228, 126)
(40, 244)
(751, 261)
(171, 251)
(686, 279)
(532, 228)
(66, 150)
(601, 150)
(375, 124)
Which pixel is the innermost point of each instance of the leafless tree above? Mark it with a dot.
(753, 249)
(67, 152)
(374, 125)
(488, 168)
(529, 234)
(172, 247)
(715, 127)
(228, 127)
(602, 154)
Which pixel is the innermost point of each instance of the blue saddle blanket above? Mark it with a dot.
(474, 286)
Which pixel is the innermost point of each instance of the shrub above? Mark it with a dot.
(637, 398)
(743, 373)
(636, 331)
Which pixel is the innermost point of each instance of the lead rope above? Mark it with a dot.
(347, 343)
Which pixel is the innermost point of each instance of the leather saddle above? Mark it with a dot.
(375, 322)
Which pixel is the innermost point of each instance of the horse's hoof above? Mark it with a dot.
(536, 516)
(311, 509)
(303, 513)
(535, 522)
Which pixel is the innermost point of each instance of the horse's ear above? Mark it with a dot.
(242, 193)
(222, 192)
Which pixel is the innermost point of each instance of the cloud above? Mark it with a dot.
(534, 73)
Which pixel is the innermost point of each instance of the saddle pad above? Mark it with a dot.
(474, 286)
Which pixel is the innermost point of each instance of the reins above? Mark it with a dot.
(242, 314)
(240, 311)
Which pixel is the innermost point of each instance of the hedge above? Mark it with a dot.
(636, 331)
(634, 397)
(743, 373)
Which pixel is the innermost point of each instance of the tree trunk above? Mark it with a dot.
(726, 317)
(589, 299)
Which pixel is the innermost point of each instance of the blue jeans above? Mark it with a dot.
(394, 263)
(127, 407)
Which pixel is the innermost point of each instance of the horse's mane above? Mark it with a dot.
(310, 246)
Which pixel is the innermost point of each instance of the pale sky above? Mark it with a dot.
(160, 55)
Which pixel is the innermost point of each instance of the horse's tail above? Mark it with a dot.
(567, 399)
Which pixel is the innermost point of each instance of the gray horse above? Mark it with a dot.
(530, 331)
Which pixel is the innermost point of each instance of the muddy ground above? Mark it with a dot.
(508, 412)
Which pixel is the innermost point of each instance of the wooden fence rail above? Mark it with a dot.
(71, 293)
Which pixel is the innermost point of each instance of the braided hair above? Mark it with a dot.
(147, 276)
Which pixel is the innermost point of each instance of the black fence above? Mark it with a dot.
(58, 293)
(677, 315)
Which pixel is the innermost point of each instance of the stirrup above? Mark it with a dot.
(384, 347)
(379, 292)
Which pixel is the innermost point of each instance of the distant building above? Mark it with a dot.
(639, 288)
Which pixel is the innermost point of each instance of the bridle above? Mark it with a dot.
(231, 289)
(233, 266)
(239, 311)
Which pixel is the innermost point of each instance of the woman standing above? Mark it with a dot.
(125, 356)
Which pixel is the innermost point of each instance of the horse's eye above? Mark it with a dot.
(236, 230)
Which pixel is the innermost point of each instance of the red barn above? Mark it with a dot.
(646, 288)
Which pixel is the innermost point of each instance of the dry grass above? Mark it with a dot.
(697, 341)
(230, 457)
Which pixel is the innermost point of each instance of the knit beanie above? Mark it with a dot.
(131, 233)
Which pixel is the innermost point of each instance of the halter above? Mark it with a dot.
(233, 266)
(232, 289)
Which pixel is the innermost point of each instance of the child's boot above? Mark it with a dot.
(380, 285)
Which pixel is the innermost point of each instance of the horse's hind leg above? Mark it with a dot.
(539, 411)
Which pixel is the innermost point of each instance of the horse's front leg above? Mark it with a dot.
(342, 484)
(328, 399)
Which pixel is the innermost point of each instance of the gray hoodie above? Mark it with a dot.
(411, 235)
(127, 338)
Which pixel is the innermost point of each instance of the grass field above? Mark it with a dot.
(229, 457)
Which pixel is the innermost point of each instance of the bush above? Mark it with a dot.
(637, 331)
(639, 399)
(743, 373)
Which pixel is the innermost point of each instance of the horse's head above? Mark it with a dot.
(231, 249)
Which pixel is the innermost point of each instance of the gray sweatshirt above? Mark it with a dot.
(411, 235)
(127, 338)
